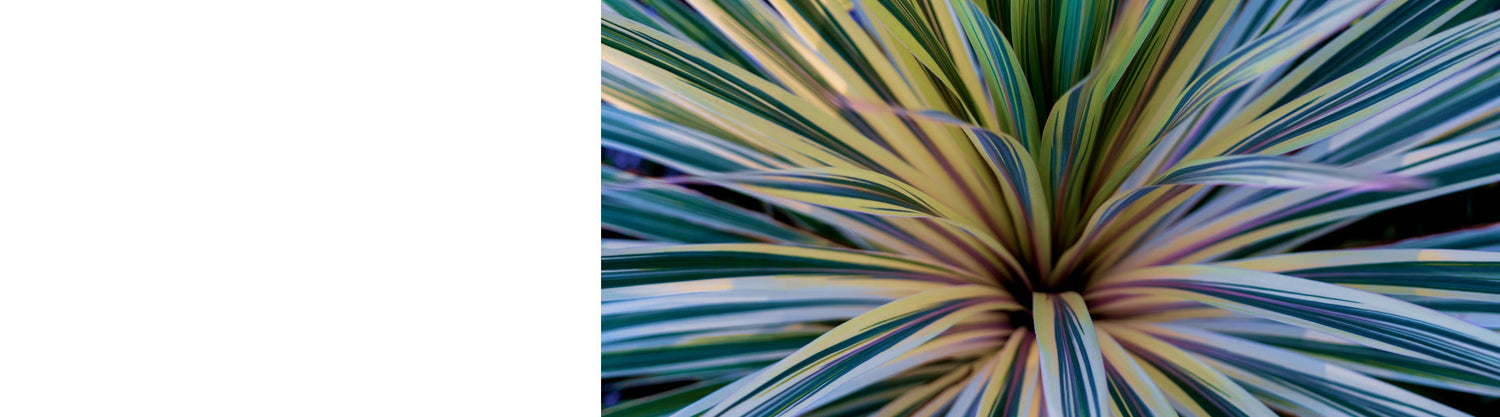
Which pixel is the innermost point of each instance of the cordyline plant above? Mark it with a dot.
(1052, 207)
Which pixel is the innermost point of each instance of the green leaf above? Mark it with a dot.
(1005, 384)
(1256, 58)
(865, 342)
(895, 390)
(659, 211)
(702, 32)
(667, 402)
(1392, 25)
(1216, 230)
(631, 328)
(1131, 391)
(1073, 375)
(1192, 385)
(638, 266)
(1082, 26)
(1424, 272)
(1370, 319)
(1399, 78)
(1021, 189)
(1006, 88)
(1280, 172)
(1369, 361)
(847, 189)
(937, 392)
(1301, 384)
(705, 353)
(1071, 130)
(1485, 238)
(677, 146)
(865, 192)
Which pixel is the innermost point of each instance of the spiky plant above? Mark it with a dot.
(1052, 207)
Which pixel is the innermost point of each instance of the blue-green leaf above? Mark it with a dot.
(1073, 376)
(1280, 172)
(1299, 383)
(1371, 319)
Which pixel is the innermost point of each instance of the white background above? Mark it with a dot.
(298, 208)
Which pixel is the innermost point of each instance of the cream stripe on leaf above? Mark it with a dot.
(1194, 387)
(1153, 82)
(675, 146)
(1022, 191)
(848, 189)
(969, 340)
(1280, 172)
(1017, 391)
(680, 147)
(1073, 375)
(795, 287)
(1452, 165)
(1000, 386)
(654, 265)
(1369, 361)
(708, 353)
(860, 344)
(867, 192)
(1392, 25)
(872, 399)
(1131, 391)
(679, 83)
(914, 399)
(1129, 215)
(1238, 68)
(1484, 238)
(759, 106)
(663, 212)
(1265, 54)
(1299, 383)
(1371, 319)
(1353, 98)
(1453, 274)
(1005, 84)
(1071, 133)
(700, 31)
(641, 328)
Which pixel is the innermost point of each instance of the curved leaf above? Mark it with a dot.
(1005, 83)
(1424, 272)
(1131, 391)
(913, 400)
(854, 347)
(842, 188)
(1369, 361)
(865, 192)
(1280, 172)
(1003, 385)
(653, 265)
(1073, 376)
(1485, 238)
(1302, 384)
(1195, 388)
(660, 211)
(1371, 319)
